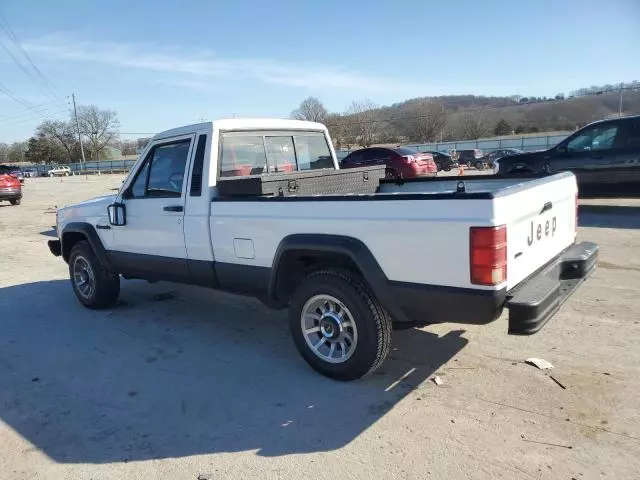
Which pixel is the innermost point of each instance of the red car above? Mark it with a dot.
(10, 188)
(401, 162)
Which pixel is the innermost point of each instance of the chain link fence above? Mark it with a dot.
(526, 143)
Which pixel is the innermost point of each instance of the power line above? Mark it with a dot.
(42, 108)
(15, 97)
(136, 133)
(50, 116)
(22, 67)
(4, 24)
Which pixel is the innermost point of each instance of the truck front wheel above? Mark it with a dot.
(338, 326)
(94, 286)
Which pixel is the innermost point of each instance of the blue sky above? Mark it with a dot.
(160, 64)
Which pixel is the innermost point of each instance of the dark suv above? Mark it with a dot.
(601, 154)
(471, 158)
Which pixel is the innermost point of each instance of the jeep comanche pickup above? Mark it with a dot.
(348, 266)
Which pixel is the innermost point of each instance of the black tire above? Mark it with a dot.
(391, 174)
(438, 166)
(479, 165)
(372, 322)
(16, 201)
(447, 168)
(106, 284)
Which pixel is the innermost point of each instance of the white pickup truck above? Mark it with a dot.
(348, 266)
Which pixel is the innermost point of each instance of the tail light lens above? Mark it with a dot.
(408, 159)
(488, 255)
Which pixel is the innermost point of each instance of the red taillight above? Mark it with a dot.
(488, 255)
(408, 159)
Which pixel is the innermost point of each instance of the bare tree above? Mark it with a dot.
(363, 122)
(336, 124)
(4, 152)
(425, 121)
(310, 109)
(60, 132)
(470, 125)
(99, 126)
(16, 152)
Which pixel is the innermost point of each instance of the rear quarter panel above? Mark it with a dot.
(418, 241)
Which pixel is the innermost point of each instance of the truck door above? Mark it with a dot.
(590, 154)
(152, 243)
(626, 168)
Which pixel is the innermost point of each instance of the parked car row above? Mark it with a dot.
(405, 162)
(21, 174)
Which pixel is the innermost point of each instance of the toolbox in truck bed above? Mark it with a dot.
(363, 180)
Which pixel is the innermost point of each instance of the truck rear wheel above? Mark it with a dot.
(338, 326)
(94, 286)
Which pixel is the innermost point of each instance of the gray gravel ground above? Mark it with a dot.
(180, 381)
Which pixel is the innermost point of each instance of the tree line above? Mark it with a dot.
(468, 117)
(57, 141)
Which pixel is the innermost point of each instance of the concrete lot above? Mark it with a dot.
(178, 381)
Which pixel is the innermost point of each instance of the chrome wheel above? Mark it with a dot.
(328, 328)
(83, 277)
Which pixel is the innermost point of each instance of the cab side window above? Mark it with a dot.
(595, 138)
(162, 174)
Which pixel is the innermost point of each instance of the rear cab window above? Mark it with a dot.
(265, 153)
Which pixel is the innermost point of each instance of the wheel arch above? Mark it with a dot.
(78, 231)
(300, 254)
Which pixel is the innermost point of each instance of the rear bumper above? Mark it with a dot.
(10, 193)
(532, 303)
(419, 171)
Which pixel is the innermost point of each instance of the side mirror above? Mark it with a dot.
(562, 149)
(117, 214)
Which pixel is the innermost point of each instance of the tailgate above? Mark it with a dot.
(541, 223)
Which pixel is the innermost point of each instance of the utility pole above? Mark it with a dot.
(620, 104)
(75, 114)
(442, 120)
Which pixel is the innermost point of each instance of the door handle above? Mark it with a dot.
(173, 208)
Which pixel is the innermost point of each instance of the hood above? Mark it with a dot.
(88, 211)
(105, 199)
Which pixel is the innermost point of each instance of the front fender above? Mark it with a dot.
(70, 235)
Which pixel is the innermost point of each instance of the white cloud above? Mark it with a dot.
(204, 63)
